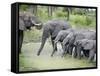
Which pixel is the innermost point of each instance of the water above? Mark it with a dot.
(29, 61)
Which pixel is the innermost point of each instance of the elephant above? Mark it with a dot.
(61, 36)
(51, 29)
(26, 21)
(74, 36)
(88, 47)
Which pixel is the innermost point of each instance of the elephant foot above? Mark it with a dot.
(62, 56)
(38, 54)
(51, 55)
(70, 53)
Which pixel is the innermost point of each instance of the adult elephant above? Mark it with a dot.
(26, 21)
(52, 28)
(72, 37)
(87, 46)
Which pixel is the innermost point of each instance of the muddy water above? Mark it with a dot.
(29, 61)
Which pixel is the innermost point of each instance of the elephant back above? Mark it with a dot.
(55, 26)
(90, 35)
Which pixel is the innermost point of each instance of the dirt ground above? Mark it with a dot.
(29, 61)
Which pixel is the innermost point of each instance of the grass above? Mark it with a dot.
(82, 21)
(29, 61)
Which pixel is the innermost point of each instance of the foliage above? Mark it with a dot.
(23, 7)
(82, 21)
(61, 14)
(78, 18)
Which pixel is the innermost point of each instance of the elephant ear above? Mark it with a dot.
(87, 45)
(21, 24)
(68, 38)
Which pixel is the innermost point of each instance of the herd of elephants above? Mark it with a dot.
(79, 42)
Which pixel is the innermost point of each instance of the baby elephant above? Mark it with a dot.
(88, 47)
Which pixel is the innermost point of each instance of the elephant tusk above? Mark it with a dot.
(38, 24)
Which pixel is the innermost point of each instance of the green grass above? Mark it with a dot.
(33, 35)
(29, 61)
(82, 21)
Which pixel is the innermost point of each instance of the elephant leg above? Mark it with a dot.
(75, 52)
(79, 52)
(54, 47)
(45, 35)
(86, 53)
(42, 45)
(64, 50)
(94, 59)
(82, 54)
(20, 40)
(70, 50)
(91, 55)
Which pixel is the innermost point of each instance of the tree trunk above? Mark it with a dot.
(33, 9)
(50, 11)
(68, 13)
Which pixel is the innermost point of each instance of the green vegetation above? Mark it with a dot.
(77, 17)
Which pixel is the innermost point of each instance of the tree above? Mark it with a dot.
(66, 9)
(50, 11)
(33, 9)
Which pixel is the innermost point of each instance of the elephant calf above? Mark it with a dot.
(61, 36)
(72, 37)
(87, 46)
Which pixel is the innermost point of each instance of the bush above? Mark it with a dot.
(82, 21)
(43, 14)
(61, 14)
(23, 7)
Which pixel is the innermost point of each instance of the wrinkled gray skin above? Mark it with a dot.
(72, 37)
(26, 21)
(86, 45)
(61, 36)
(52, 28)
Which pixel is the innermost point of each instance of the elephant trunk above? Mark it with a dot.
(36, 24)
(42, 45)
